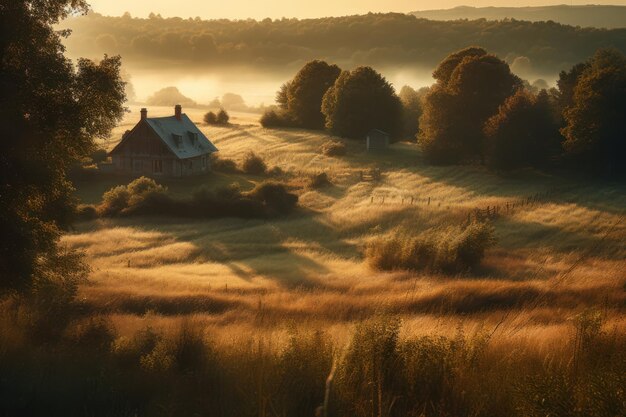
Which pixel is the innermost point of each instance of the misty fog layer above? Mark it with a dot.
(207, 58)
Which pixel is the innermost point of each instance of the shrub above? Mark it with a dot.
(319, 180)
(86, 212)
(274, 197)
(210, 118)
(275, 171)
(333, 148)
(451, 249)
(267, 199)
(222, 117)
(253, 164)
(223, 165)
(123, 198)
(276, 118)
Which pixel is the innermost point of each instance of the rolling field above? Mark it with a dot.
(242, 278)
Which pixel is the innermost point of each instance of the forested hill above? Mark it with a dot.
(585, 16)
(381, 40)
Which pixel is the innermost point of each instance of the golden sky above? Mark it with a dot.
(259, 9)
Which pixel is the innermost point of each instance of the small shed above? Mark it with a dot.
(377, 140)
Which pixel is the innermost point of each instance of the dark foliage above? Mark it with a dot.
(471, 85)
(381, 40)
(222, 117)
(305, 93)
(524, 132)
(253, 164)
(51, 110)
(210, 118)
(276, 118)
(144, 197)
(595, 130)
(359, 101)
(411, 110)
(223, 165)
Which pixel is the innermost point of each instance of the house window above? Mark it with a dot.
(157, 166)
(204, 162)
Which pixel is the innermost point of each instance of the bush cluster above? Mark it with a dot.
(253, 164)
(143, 197)
(319, 181)
(221, 118)
(452, 249)
(276, 118)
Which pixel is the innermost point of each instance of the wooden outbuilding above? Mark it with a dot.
(377, 140)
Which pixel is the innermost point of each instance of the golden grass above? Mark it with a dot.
(238, 276)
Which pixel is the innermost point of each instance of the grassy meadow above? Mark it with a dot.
(252, 278)
(286, 316)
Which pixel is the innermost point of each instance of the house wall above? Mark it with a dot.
(142, 153)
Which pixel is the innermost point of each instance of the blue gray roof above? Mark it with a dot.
(182, 136)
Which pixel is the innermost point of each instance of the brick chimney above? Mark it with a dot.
(178, 111)
(144, 113)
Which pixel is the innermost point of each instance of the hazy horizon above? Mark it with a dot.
(244, 9)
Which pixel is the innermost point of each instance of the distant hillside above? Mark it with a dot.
(388, 40)
(585, 16)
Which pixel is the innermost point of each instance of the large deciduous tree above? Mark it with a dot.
(361, 100)
(471, 85)
(306, 90)
(524, 132)
(595, 130)
(50, 112)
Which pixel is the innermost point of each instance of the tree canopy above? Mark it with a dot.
(306, 90)
(524, 132)
(471, 85)
(50, 112)
(361, 100)
(381, 40)
(595, 130)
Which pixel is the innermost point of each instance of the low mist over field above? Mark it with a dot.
(207, 58)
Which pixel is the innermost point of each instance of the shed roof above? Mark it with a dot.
(378, 131)
(179, 136)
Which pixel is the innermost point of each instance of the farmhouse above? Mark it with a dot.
(164, 146)
(377, 140)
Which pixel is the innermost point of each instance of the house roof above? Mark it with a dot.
(182, 137)
(179, 136)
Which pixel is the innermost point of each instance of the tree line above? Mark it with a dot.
(381, 40)
(477, 111)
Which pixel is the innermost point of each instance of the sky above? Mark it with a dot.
(260, 9)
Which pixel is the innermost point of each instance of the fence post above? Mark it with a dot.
(429, 201)
(372, 200)
(411, 200)
(383, 199)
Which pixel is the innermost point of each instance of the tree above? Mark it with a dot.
(210, 118)
(524, 132)
(222, 117)
(596, 127)
(567, 82)
(361, 100)
(170, 96)
(282, 95)
(471, 85)
(51, 112)
(306, 90)
(411, 109)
